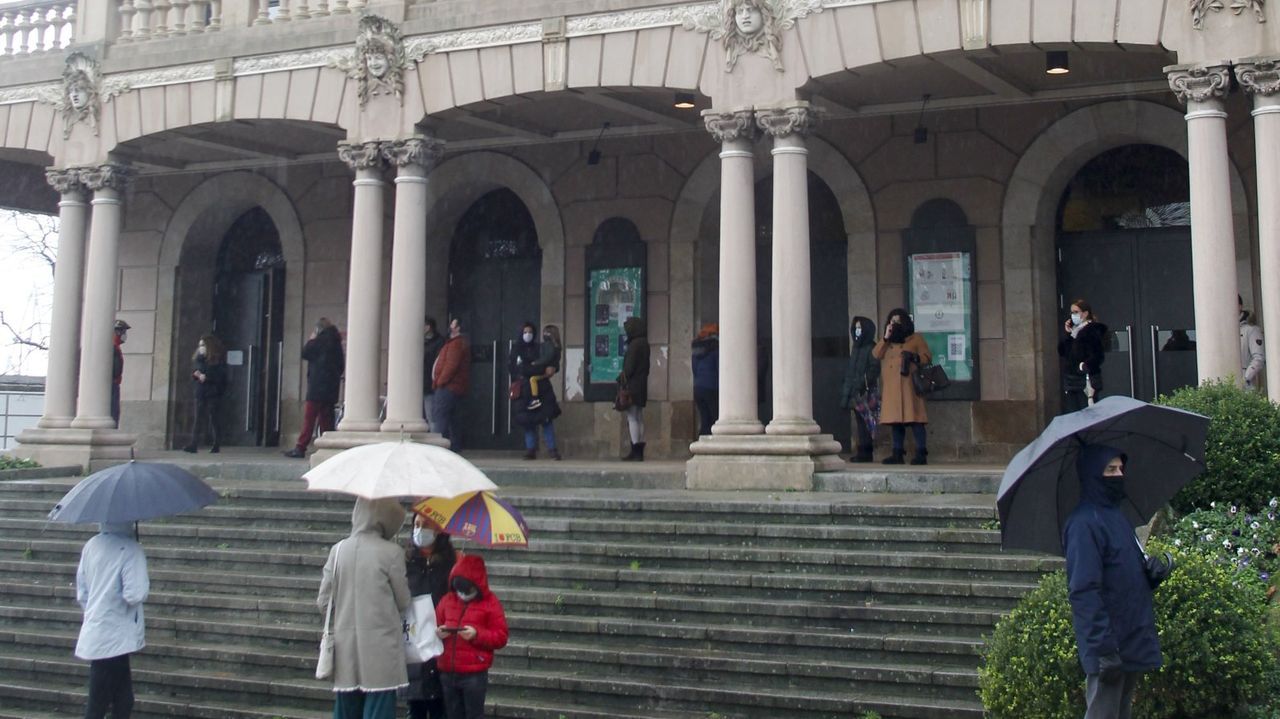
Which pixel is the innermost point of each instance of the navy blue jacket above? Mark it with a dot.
(706, 363)
(1110, 596)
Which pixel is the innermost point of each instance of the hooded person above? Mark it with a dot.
(1109, 587)
(899, 351)
(364, 578)
(111, 585)
(473, 626)
(705, 360)
(861, 381)
(635, 379)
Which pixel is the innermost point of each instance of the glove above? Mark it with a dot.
(1110, 668)
(1158, 569)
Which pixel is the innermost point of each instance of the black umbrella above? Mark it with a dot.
(132, 492)
(1040, 487)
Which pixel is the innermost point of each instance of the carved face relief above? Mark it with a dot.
(377, 63)
(749, 19)
(79, 96)
(380, 60)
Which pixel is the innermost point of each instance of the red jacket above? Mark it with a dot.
(484, 613)
(453, 366)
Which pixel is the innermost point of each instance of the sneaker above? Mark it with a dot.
(555, 454)
(215, 449)
(534, 404)
(296, 453)
(189, 449)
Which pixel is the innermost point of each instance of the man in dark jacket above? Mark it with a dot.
(635, 379)
(706, 376)
(432, 341)
(861, 382)
(1111, 607)
(325, 365)
(119, 335)
(451, 379)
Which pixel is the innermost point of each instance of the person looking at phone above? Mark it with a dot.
(472, 625)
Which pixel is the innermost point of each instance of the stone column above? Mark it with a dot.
(1213, 247)
(413, 158)
(101, 285)
(1260, 77)
(792, 327)
(364, 295)
(738, 409)
(64, 337)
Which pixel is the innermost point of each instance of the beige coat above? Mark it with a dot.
(365, 577)
(899, 403)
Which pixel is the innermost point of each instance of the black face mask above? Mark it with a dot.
(1114, 488)
(897, 333)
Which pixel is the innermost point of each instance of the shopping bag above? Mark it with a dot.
(324, 663)
(420, 640)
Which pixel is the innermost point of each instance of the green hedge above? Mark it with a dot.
(8, 461)
(1219, 651)
(1242, 456)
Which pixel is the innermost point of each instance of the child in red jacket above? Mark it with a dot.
(473, 626)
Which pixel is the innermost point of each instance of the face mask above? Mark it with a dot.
(1244, 315)
(430, 333)
(857, 332)
(423, 537)
(465, 589)
(1076, 319)
(546, 338)
(527, 336)
(1114, 488)
(200, 350)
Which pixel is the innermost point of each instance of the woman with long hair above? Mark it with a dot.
(1081, 348)
(209, 378)
(428, 561)
(900, 352)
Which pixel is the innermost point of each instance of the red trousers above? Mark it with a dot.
(313, 412)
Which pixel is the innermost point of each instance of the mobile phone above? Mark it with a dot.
(451, 630)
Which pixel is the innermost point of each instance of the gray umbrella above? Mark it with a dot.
(132, 492)
(1040, 488)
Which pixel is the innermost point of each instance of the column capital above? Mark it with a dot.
(798, 119)
(424, 151)
(1259, 75)
(1199, 83)
(109, 176)
(362, 155)
(64, 180)
(731, 125)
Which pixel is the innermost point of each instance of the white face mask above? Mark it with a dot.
(423, 537)
(466, 597)
(1076, 318)
(857, 332)
(201, 350)
(527, 336)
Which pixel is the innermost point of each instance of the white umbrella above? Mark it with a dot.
(398, 469)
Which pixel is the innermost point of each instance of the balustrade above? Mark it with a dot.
(36, 27)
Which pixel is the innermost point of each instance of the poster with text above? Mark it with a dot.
(617, 294)
(942, 308)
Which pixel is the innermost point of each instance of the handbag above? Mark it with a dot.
(419, 624)
(324, 663)
(515, 390)
(622, 401)
(928, 379)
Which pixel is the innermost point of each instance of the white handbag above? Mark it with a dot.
(419, 622)
(324, 663)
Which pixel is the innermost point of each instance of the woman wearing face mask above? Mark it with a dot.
(209, 378)
(861, 381)
(1081, 348)
(534, 404)
(428, 562)
(899, 352)
(472, 626)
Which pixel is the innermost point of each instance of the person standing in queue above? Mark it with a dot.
(325, 365)
(111, 585)
(472, 625)
(705, 358)
(428, 562)
(861, 382)
(900, 351)
(432, 342)
(120, 334)
(210, 381)
(635, 379)
(1081, 347)
(451, 380)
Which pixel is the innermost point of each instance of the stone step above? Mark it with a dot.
(934, 480)
(62, 697)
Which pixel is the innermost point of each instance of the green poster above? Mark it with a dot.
(616, 294)
(942, 308)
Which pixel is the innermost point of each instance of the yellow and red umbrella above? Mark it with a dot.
(478, 516)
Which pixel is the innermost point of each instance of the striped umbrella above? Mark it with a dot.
(478, 516)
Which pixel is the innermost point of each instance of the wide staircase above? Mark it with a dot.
(627, 604)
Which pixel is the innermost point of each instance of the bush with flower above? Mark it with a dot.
(1242, 539)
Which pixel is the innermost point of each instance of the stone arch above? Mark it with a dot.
(30, 126)
(856, 210)
(1028, 223)
(459, 181)
(193, 235)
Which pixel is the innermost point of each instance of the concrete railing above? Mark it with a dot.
(31, 28)
(143, 20)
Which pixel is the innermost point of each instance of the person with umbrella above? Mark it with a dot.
(1110, 587)
(111, 585)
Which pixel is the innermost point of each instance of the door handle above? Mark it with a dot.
(493, 407)
(1128, 335)
(1155, 363)
(508, 404)
(248, 393)
(279, 380)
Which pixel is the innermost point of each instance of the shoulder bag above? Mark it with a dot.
(622, 401)
(324, 663)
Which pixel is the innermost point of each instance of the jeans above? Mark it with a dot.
(548, 436)
(110, 685)
(428, 408)
(442, 419)
(918, 432)
(708, 402)
(364, 705)
(427, 709)
(314, 413)
(1110, 701)
(464, 694)
(115, 404)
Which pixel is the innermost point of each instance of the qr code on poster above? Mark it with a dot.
(955, 348)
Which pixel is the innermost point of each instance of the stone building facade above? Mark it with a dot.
(246, 167)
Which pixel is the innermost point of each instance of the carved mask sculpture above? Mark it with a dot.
(380, 59)
(79, 101)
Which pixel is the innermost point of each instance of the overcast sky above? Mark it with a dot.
(26, 294)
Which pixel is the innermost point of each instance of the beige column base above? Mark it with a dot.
(760, 461)
(331, 443)
(68, 446)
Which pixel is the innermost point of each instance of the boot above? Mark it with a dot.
(637, 453)
(863, 455)
(895, 458)
(189, 449)
(215, 449)
(531, 454)
(296, 453)
(921, 457)
(554, 454)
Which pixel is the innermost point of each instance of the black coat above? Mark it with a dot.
(863, 370)
(1111, 605)
(635, 363)
(1088, 347)
(430, 351)
(215, 379)
(325, 365)
(523, 364)
(427, 575)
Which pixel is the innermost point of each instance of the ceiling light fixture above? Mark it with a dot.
(684, 101)
(593, 157)
(921, 134)
(1056, 62)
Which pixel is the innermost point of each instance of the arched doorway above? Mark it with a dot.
(248, 316)
(494, 286)
(1124, 246)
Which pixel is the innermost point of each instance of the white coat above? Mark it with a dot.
(111, 584)
(1252, 354)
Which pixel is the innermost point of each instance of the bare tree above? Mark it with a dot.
(29, 236)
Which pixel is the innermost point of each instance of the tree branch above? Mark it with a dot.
(19, 338)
